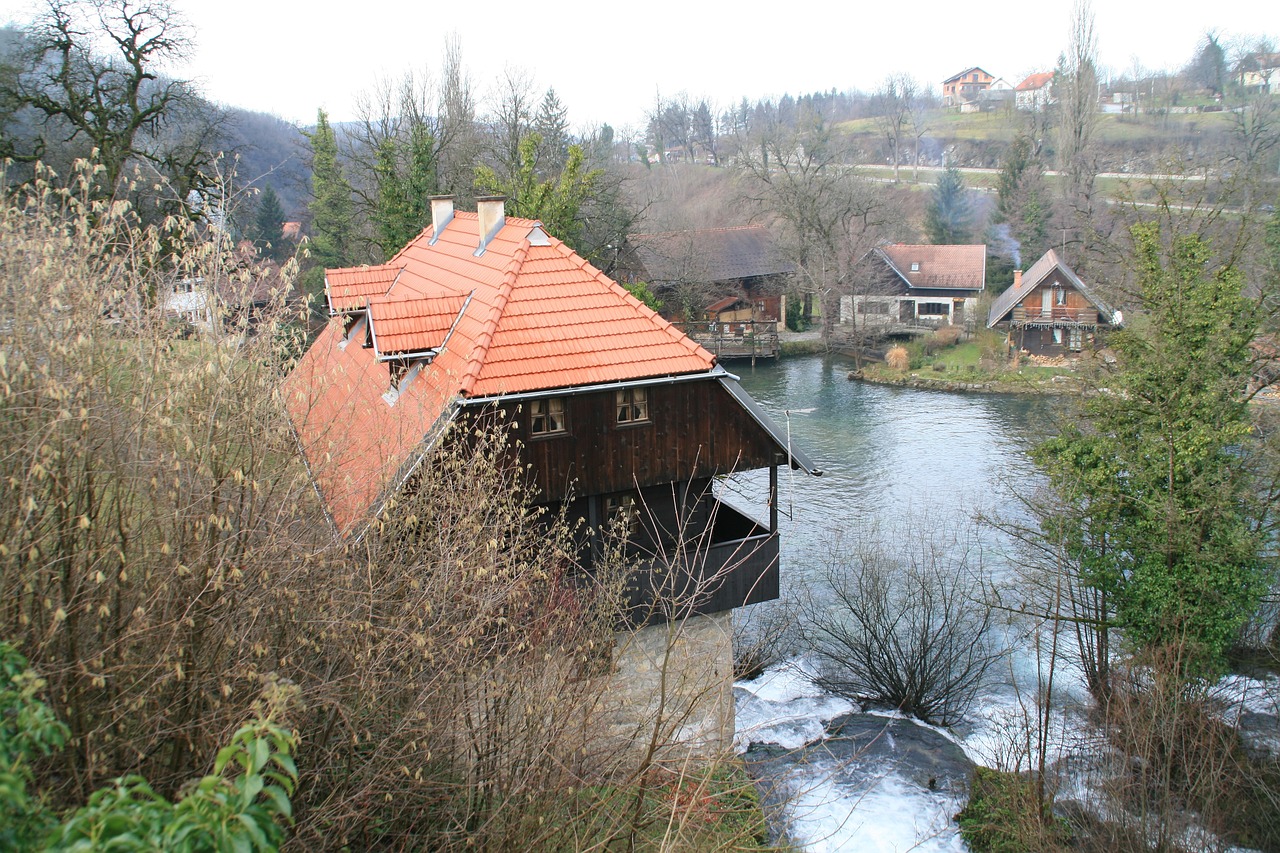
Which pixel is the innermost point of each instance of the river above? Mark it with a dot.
(891, 458)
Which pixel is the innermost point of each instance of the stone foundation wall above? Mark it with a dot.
(677, 679)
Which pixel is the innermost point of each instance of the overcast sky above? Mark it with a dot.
(609, 61)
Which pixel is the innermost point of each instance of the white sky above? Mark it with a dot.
(608, 61)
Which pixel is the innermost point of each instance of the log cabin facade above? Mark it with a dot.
(619, 415)
(1049, 311)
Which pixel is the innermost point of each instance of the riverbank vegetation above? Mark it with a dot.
(163, 559)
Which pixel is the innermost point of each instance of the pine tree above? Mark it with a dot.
(267, 227)
(948, 220)
(404, 189)
(552, 125)
(331, 210)
(1159, 498)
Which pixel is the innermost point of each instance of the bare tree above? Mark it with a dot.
(1076, 89)
(909, 629)
(892, 106)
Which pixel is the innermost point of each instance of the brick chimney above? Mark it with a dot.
(491, 210)
(441, 215)
(1017, 279)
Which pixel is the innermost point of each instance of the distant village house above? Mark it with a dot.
(903, 286)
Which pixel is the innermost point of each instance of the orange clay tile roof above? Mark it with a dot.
(1036, 81)
(938, 267)
(526, 315)
(348, 289)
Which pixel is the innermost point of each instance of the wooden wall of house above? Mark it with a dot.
(695, 429)
(1075, 300)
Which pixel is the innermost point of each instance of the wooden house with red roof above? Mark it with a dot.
(615, 409)
(1049, 311)
(899, 286)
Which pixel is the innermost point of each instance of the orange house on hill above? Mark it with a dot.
(965, 87)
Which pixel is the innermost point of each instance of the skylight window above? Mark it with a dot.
(915, 267)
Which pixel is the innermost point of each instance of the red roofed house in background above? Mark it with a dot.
(1035, 94)
(615, 409)
(900, 286)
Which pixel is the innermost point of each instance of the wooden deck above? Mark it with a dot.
(750, 339)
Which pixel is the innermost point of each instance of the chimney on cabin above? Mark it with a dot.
(491, 210)
(1017, 279)
(441, 214)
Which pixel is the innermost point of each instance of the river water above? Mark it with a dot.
(892, 458)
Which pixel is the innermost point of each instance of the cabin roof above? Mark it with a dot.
(1040, 272)
(938, 267)
(710, 255)
(525, 314)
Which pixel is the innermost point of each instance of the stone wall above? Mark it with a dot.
(678, 679)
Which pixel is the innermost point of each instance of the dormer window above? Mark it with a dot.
(402, 371)
(632, 405)
(355, 326)
(546, 416)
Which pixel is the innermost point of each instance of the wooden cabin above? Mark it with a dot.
(619, 411)
(1050, 311)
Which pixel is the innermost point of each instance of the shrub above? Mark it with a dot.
(1003, 816)
(897, 358)
(909, 631)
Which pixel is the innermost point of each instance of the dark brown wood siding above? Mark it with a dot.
(695, 430)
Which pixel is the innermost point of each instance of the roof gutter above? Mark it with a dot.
(714, 373)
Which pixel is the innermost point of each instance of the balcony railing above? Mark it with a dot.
(1059, 315)
(734, 564)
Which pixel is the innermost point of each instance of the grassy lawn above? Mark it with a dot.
(978, 361)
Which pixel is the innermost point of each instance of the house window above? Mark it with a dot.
(915, 267)
(1060, 296)
(933, 309)
(633, 405)
(1076, 341)
(546, 416)
(624, 512)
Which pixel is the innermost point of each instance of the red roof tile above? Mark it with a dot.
(1036, 81)
(537, 316)
(939, 267)
(348, 289)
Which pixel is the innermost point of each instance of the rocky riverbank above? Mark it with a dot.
(1058, 384)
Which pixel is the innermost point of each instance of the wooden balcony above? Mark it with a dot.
(739, 339)
(733, 564)
(1056, 316)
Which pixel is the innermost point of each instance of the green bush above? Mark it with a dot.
(1003, 816)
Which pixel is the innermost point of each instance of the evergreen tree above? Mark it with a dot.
(557, 203)
(331, 209)
(403, 208)
(266, 229)
(1022, 199)
(1158, 497)
(948, 220)
(552, 126)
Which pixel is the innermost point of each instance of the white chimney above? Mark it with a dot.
(441, 215)
(491, 210)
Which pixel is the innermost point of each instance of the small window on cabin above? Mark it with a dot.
(623, 512)
(546, 416)
(632, 405)
(1076, 342)
(915, 268)
(1059, 296)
